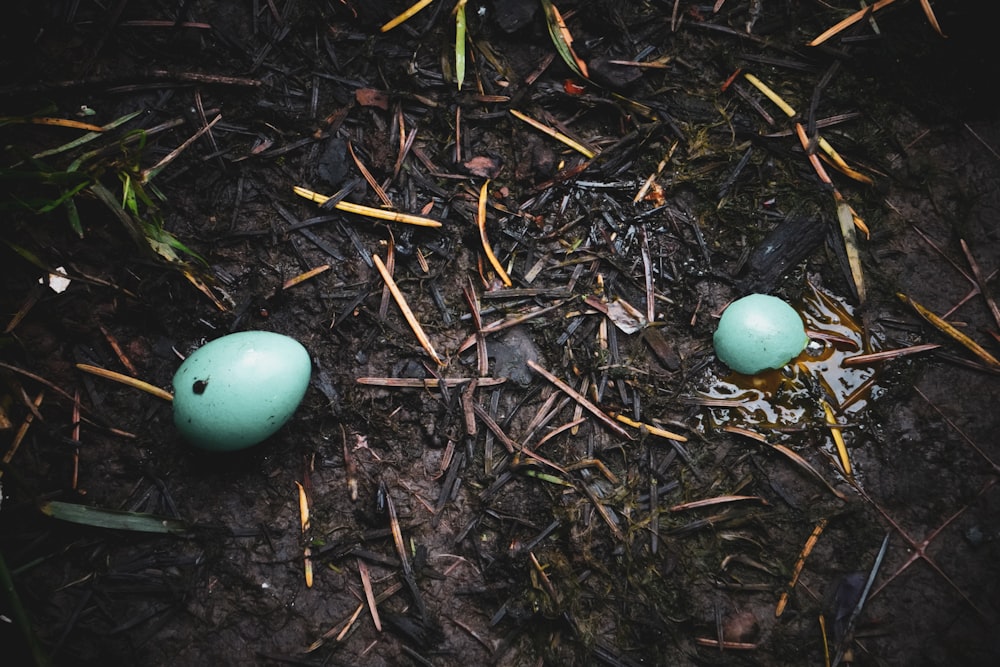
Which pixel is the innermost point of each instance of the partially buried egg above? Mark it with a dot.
(759, 332)
(238, 390)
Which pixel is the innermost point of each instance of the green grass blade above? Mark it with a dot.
(65, 198)
(26, 254)
(90, 136)
(73, 215)
(114, 519)
(554, 22)
(20, 616)
(460, 26)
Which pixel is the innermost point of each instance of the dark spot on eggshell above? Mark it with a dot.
(199, 386)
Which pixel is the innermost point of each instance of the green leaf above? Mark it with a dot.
(114, 519)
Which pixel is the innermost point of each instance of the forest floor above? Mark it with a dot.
(579, 480)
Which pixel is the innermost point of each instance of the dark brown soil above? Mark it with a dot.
(581, 550)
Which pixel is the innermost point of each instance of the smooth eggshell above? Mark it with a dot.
(759, 332)
(237, 390)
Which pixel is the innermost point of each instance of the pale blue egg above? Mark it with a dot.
(238, 390)
(759, 332)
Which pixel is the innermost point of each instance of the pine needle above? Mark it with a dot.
(135, 383)
(367, 211)
(555, 134)
(411, 319)
(949, 330)
(652, 430)
(838, 439)
(405, 16)
(481, 223)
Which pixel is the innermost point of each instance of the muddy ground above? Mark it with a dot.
(583, 548)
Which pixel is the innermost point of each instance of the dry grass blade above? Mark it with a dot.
(841, 164)
(90, 136)
(522, 318)
(23, 430)
(404, 559)
(507, 323)
(366, 583)
(580, 399)
(429, 383)
(367, 211)
(887, 355)
(770, 94)
(495, 428)
(845, 215)
(727, 645)
(555, 134)
(846, 218)
(149, 174)
(411, 319)
(203, 288)
(302, 277)
(127, 380)
(59, 122)
(838, 439)
(790, 454)
(337, 631)
(931, 18)
(851, 20)
(38, 378)
(368, 176)
(647, 277)
(981, 282)
(568, 426)
(949, 330)
(802, 463)
(835, 158)
(482, 355)
(406, 15)
(720, 500)
(603, 511)
(799, 564)
(350, 466)
(652, 430)
(303, 507)
(117, 348)
(481, 223)
(307, 566)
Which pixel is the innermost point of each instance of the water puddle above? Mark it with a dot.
(791, 399)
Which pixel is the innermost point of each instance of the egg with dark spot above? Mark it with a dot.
(238, 390)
